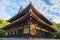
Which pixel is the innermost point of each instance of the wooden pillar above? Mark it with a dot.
(16, 32)
(43, 34)
(48, 35)
(29, 27)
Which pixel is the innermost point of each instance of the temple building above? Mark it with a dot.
(29, 23)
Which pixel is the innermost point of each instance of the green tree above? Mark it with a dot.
(58, 31)
(2, 33)
(3, 23)
(55, 25)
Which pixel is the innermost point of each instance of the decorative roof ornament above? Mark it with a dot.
(30, 2)
(20, 9)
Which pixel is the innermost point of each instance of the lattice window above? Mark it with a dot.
(26, 30)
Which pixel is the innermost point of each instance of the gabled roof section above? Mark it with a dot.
(20, 14)
(26, 10)
(30, 14)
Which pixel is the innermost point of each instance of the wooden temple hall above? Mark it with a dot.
(29, 23)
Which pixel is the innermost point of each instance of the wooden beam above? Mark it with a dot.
(41, 21)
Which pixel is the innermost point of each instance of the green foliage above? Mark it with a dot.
(3, 23)
(2, 33)
(58, 33)
(54, 25)
(57, 27)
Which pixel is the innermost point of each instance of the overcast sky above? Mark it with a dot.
(48, 8)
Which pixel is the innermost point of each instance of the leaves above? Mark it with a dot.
(58, 31)
(54, 25)
(2, 33)
(3, 23)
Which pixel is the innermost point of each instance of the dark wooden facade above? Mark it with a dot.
(29, 23)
